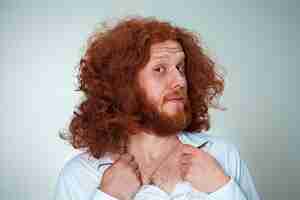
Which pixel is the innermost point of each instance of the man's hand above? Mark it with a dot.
(122, 179)
(201, 169)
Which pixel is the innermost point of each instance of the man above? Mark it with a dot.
(148, 86)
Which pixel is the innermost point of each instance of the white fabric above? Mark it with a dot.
(80, 177)
(182, 191)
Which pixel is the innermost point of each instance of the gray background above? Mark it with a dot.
(256, 41)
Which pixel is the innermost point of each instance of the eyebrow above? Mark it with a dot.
(172, 49)
(159, 61)
(160, 58)
(165, 57)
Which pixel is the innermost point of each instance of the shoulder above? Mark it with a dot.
(222, 149)
(217, 143)
(82, 163)
(79, 177)
(82, 167)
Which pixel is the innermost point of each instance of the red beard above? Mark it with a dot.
(160, 123)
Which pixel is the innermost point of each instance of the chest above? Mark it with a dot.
(166, 176)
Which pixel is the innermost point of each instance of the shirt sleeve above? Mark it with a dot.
(77, 181)
(67, 189)
(229, 191)
(241, 185)
(99, 195)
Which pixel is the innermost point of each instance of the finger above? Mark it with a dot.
(115, 157)
(139, 176)
(184, 171)
(184, 166)
(185, 162)
(182, 175)
(186, 159)
(138, 173)
(189, 149)
(186, 156)
(135, 169)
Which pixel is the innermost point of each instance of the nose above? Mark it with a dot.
(178, 79)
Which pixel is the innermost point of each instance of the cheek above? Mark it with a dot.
(154, 92)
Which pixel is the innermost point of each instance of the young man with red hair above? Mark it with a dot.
(148, 86)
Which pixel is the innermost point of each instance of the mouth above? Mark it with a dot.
(176, 99)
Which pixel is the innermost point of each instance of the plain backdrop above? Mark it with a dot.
(256, 41)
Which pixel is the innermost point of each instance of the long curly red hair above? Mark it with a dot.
(107, 74)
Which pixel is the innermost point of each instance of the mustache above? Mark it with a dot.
(177, 95)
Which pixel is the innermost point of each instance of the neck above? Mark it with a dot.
(150, 147)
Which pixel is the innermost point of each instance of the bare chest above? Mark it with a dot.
(165, 177)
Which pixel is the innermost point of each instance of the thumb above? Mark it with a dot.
(115, 157)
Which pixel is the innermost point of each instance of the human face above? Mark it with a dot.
(164, 88)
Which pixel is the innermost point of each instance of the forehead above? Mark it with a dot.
(166, 49)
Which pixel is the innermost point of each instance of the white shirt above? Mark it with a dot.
(80, 176)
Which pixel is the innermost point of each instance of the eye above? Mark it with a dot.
(181, 68)
(160, 68)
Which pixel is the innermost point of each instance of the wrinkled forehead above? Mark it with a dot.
(166, 48)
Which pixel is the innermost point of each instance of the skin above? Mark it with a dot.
(163, 74)
(112, 184)
(160, 78)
